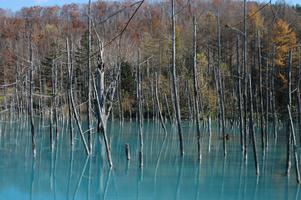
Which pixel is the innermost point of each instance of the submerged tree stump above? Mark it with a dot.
(127, 151)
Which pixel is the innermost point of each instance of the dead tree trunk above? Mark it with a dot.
(289, 100)
(54, 97)
(17, 102)
(294, 144)
(104, 98)
(196, 91)
(103, 115)
(245, 92)
(240, 110)
(89, 106)
(266, 129)
(76, 115)
(167, 108)
(251, 126)
(299, 92)
(158, 104)
(220, 88)
(273, 96)
(174, 80)
(51, 126)
(30, 100)
(140, 114)
(262, 123)
(188, 98)
(69, 93)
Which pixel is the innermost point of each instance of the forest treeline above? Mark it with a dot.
(149, 32)
(234, 61)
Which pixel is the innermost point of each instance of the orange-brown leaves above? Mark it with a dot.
(284, 39)
(256, 20)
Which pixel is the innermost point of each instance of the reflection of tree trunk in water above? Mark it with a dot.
(89, 179)
(240, 179)
(286, 191)
(70, 173)
(181, 160)
(101, 174)
(197, 184)
(297, 193)
(256, 188)
(223, 179)
(81, 177)
(51, 171)
(245, 180)
(162, 124)
(33, 168)
(119, 145)
(54, 172)
(107, 184)
(139, 182)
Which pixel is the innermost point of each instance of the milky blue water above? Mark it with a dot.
(69, 174)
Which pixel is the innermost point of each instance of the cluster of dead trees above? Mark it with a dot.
(179, 60)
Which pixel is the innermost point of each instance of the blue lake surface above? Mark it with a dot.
(69, 174)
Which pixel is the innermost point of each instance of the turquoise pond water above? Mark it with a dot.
(66, 174)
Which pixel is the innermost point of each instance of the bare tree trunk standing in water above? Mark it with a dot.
(251, 126)
(140, 114)
(54, 97)
(240, 96)
(245, 93)
(298, 92)
(294, 144)
(274, 97)
(262, 123)
(89, 110)
(69, 93)
(101, 98)
(158, 103)
(75, 113)
(174, 80)
(195, 90)
(30, 106)
(220, 85)
(289, 102)
(267, 98)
